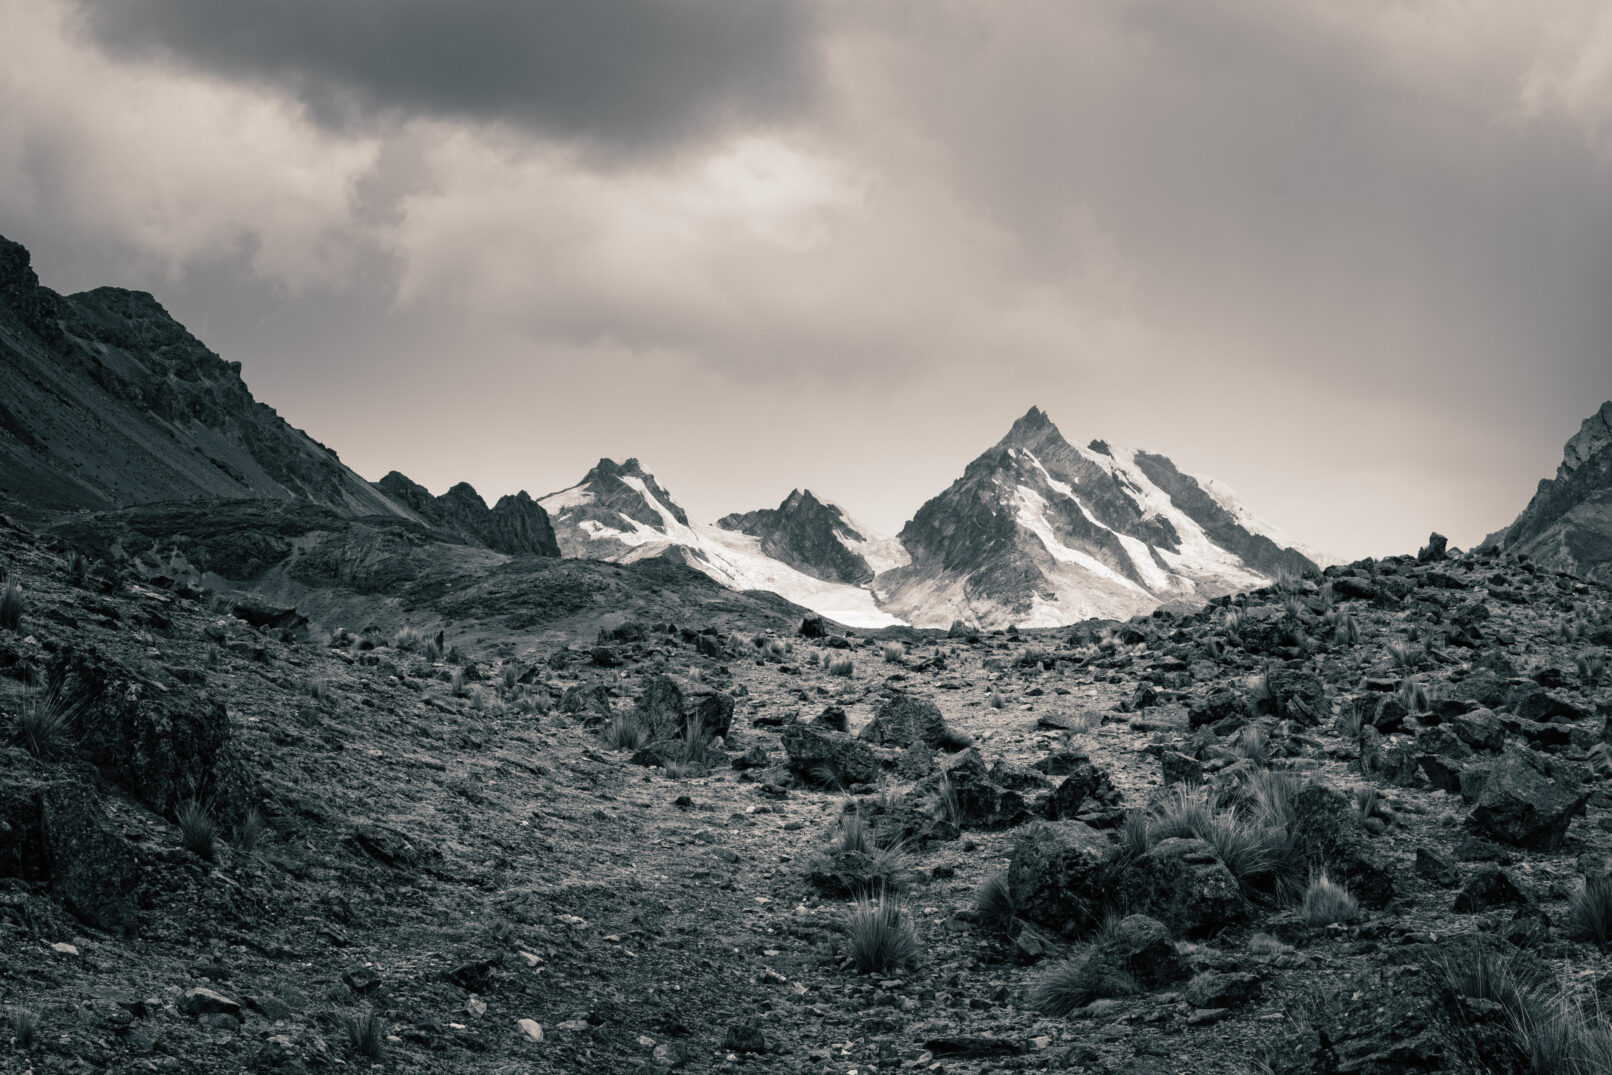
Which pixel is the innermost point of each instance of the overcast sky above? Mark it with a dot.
(1352, 257)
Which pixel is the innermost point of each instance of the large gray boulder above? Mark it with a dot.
(821, 755)
(1055, 875)
(1181, 883)
(905, 719)
(1516, 803)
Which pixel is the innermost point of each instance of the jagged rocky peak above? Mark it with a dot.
(1592, 438)
(617, 509)
(1038, 532)
(516, 525)
(808, 534)
(1567, 526)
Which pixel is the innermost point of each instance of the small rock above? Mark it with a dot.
(531, 1028)
(202, 1001)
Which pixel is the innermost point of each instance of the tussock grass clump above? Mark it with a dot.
(1253, 842)
(996, 701)
(366, 1033)
(841, 666)
(1403, 655)
(249, 831)
(1327, 902)
(78, 566)
(23, 1027)
(1070, 984)
(1589, 918)
(317, 688)
(1591, 667)
(693, 752)
(1413, 696)
(777, 648)
(340, 638)
(880, 936)
(198, 832)
(994, 905)
(813, 658)
(11, 605)
(456, 684)
(1554, 1031)
(853, 863)
(1351, 720)
(212, 655)
(894, 653)
(626, 731)
(44, 725)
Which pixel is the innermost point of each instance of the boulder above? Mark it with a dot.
(905, 719)
(1520, 805)
(822, 755)
(58, 834)
(1491, 888)
(1218, 705)
(1329, 832)
(814, 627)
(160, 746)
(1181, 883)
(667, 707)
(1055, 875)
(981, 802)
(1442, 755)
(1179, 768)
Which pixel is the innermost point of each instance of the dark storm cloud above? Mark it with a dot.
(626, 74)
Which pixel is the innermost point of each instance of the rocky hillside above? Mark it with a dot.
(1567, 526)
(106, 401)
(1353, 822)
(818, 538)
(516, 525)
(1038, 532)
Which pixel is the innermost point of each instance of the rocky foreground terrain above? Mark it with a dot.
(1352, 822)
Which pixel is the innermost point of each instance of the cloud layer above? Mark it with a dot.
(1350, 258)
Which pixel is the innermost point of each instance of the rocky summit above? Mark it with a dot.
(1567, 526)
(303, 774)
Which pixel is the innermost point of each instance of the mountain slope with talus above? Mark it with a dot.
(1039, 533)
(106, 401)
(1567, 526)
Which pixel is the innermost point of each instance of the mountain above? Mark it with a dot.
(1038, 532)
(1567, 526)
(817, 538)
(515, 525)
(619, 512)
(107, 401)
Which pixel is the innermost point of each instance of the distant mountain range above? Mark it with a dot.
(1035, 533)
(107, 403)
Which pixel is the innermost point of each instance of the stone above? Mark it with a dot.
(530, 1029)
(1434, 867)
(904, 719)
(814, 627)
(1442, 754)
(1434, 550)
(160, 746)
(981, 802)
(1521, 806)
(1055, 873)
(1328, 830)
(816, 753)
(1211, 989)
(201, 1001)
(1491, 888)
(1181, 883)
